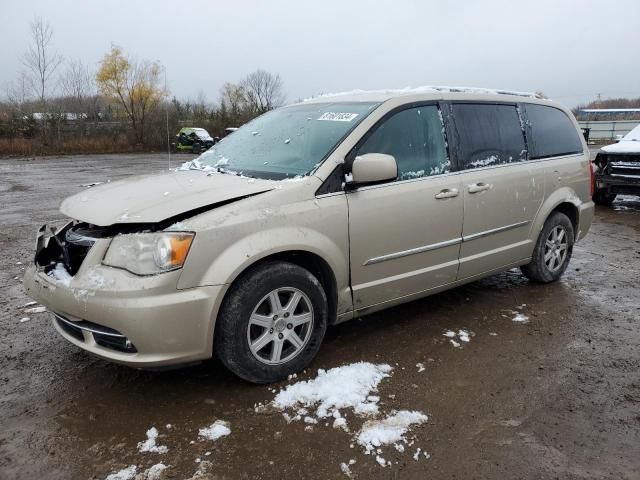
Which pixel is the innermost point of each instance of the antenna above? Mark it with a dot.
(166, 110)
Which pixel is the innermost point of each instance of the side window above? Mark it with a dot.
(551, 133)
(488, 134)
(415, 138)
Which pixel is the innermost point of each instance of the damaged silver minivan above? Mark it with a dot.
(310, 215)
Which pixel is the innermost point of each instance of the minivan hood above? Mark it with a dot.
(153, 198)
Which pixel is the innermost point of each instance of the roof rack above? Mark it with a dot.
(425, 89)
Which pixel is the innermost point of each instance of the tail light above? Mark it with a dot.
(592, 178)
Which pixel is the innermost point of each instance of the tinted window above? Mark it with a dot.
(551, 132)
(488, 134)
(415, 138)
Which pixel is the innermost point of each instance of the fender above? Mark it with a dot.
(559, 196)
(241, 254)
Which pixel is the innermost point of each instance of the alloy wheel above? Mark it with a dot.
(555, 248)
(280, 325)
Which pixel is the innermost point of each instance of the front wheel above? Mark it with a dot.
(553, 250)
(271, 323)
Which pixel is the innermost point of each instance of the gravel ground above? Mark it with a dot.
(555, 397)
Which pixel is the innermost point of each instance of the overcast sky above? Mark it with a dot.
(570, 50)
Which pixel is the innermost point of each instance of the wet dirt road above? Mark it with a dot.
(556, 397)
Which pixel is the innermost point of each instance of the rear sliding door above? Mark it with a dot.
(502, 191)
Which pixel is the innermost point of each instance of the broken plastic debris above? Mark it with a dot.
(40, 309)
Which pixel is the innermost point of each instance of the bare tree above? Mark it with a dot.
(77, 84)
(19, 91)
(39, 59)
(263, 91)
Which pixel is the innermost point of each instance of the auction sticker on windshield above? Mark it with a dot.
(338, 116)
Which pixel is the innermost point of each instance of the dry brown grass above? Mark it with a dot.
(24, 147)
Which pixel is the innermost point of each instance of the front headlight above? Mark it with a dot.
(149, 253)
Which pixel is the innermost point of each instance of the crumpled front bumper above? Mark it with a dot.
(165, 325)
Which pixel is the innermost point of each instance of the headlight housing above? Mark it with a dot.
(149, 253)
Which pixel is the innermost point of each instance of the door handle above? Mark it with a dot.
(446, 193)
(479, 187)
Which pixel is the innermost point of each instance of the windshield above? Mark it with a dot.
(287, 142)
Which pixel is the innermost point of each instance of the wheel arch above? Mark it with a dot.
(563, 200)
(571, 211)
(313, 263)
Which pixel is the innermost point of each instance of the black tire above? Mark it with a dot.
(231, 341)
(196, 148)
(604, 198)
(538, 270)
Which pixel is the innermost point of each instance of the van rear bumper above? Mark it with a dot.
(586, 212)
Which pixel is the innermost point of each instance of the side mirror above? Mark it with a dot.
(373, 167)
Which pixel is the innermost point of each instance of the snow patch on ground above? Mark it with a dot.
(352, 387)
(149, 445)
(391, 429)
(217, 429)
(154, 472)
(457, 339)
(349, 386)
(128, 473)
(381, 461)
(416, 456)
(345, 468)
(420, 367)
(520, 318)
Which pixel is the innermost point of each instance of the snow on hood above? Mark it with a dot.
(630, 143)
(153, 198)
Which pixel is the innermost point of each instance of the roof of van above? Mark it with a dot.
(383, 95)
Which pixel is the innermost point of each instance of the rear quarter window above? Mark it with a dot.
(488, 134)
(550, 132)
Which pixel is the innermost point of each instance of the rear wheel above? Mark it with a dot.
(553, 250)
(271, 323)
(603, 198)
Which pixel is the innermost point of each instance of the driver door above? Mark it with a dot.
(405, 234)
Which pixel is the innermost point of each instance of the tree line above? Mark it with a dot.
(609, 103)
(58, 105)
